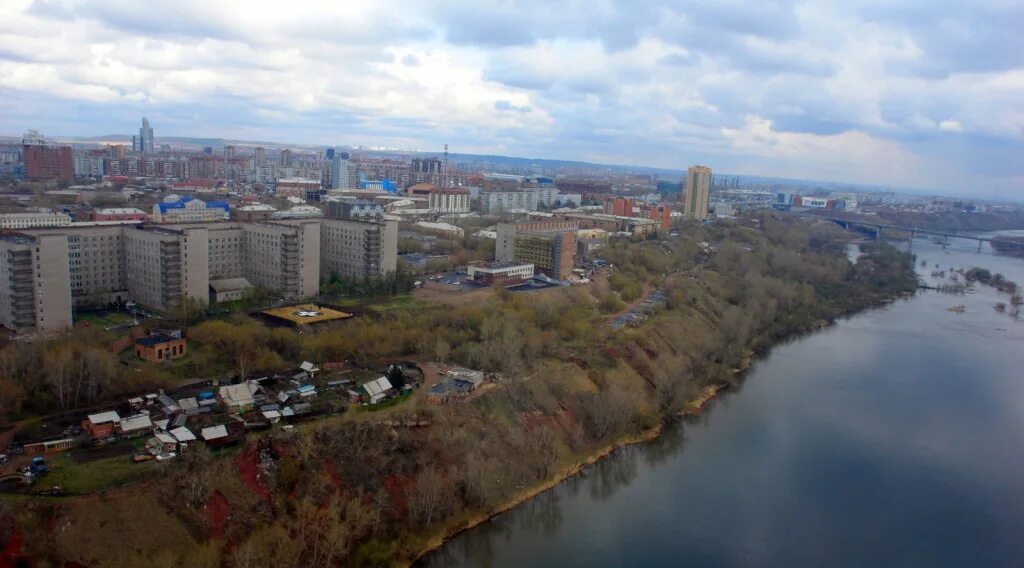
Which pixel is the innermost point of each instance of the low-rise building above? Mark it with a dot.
(119, 214)
(160, 347)
(190, 210)
(501, 273)
(15, 221)
(101, 425)
(443, 230)
(350, 208)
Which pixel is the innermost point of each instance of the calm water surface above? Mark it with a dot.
(895, 438)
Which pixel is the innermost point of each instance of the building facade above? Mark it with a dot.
(15, 221)
(447, 201)
(549, 245)
(358, 250)
(491, 273)
(355, 209)
(44, 163)
(190, 210)
(698, 190)
(35, 293)
(45, 272)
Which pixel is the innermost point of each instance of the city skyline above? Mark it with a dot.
(776, 90)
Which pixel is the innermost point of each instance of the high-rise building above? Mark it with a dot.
(45, 272)
(698, 189)
(329, 154)
(48, 163)
(357, 250)
(344, 172)
(144, 143)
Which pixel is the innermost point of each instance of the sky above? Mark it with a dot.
(905, 93)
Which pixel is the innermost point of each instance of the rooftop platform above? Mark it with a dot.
(305, 314)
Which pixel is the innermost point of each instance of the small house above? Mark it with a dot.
(162, 442)
(378, 389)
(310, 368)
(240, 397)
(160, 347)
(134, 426)
(475, 378)
(215, 435)
(183, 435)
(100, 426)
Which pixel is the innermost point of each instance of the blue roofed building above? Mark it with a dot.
(176, 209)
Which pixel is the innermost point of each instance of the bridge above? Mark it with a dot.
(879, 227)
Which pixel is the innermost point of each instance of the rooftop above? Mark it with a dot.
(305, 313)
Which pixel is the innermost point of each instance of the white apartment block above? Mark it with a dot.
(448, 201)
(521, 199)
(44, 272)
(34, 284)
(29, 220)
(358, 249)
(87, 165)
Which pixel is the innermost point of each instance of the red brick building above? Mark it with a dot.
(160, 347)
(620, 206)
(48, 163)
(662, 214)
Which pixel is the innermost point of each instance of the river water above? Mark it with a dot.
(894, 438)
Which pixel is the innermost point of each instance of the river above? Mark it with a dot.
(893, 438)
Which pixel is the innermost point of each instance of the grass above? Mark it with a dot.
(89, 477)
(401, 303)
(104, 318)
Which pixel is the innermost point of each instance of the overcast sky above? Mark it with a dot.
(911, 93)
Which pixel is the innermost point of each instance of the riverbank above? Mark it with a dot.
(438, 540)
(692, 407)
(839, 448)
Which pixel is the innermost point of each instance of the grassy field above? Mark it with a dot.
(92, 476)
(104, 318)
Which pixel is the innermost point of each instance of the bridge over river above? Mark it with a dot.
(913, 231)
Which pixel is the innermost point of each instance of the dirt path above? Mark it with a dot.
(629, 307)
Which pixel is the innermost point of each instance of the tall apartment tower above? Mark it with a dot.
(695, 195)
(145, 140)
(344, 172)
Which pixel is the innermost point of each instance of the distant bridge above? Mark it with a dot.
(880, 227)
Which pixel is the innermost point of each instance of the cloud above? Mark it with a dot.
(775, 87)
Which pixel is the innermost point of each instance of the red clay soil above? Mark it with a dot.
(217, 512)
(248, 470)
(396, 487)
(11, 556)
(332, 474)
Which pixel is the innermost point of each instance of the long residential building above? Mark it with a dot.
(525, 199)
(29, 220)
(45, 272)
